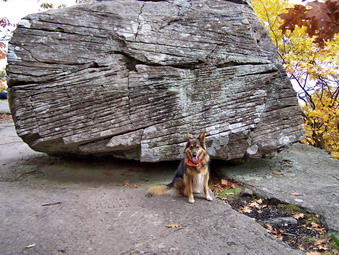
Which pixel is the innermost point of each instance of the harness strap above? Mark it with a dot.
(190, 163)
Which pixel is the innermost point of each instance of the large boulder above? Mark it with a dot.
(132, 78)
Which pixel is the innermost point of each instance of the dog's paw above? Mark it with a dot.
(191, 201)
(209, 198)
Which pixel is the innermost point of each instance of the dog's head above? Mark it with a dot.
(195, 148)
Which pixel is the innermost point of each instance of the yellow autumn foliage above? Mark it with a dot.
(322, 123)
(314, 70)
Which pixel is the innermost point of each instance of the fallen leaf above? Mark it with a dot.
(315, 225)
(298, 216)
(135, 186)
(228, 184)
(30, 246)
(245, 209)
(301, 248)
(268, 227)
(296, 194)
(225, 183)
(221, 197)
(253, 204)
(279, 236)
(276, 173)
(173, 226)
(322, 247)
(125, 183)
(256, 203)
(319, 242)
(234, 185)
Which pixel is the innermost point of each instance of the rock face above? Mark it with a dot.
(132, 78)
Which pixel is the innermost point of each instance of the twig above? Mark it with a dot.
(55, 203)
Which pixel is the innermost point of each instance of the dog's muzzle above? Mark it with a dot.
(194, 157)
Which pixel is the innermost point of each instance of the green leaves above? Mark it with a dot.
(335, 242)
(233, 192)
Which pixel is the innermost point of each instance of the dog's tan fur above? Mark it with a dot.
(157, 190)
(192, 175)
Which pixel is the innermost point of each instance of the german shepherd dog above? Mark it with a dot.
(192, 173)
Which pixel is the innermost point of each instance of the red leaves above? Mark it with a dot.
(321, 21)
(294, 17)
(324, 19)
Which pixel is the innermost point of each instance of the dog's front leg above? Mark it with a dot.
(189, 188)
(207, 195)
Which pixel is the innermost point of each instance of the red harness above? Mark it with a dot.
(190, 163)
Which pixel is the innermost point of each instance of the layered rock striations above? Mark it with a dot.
(132, 78)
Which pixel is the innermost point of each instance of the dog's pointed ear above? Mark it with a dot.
(202, 140)
(189, 137)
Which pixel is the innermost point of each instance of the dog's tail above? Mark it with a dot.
(175, 188)
(157, 190)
